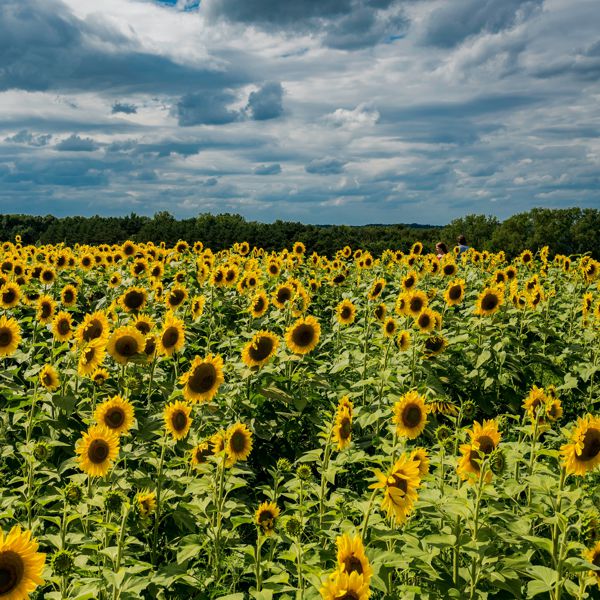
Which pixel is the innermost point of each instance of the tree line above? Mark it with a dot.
(565, 231)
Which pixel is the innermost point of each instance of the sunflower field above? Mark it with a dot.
(182, 423)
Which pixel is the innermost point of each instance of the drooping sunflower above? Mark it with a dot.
(342, 428)
(115, 414)
(380, 311)
(259, 304)
(10, 293)
(341, 585)
(410, 415)
(426, 320)
(177, 419)
(10, 336)
(238, 443)
(99, 376)
(97, 449)
(419, 455)
(91, 357)
(146, 503)
(346, 312)
(93, 327)
(200, 453)
(582, 454)
(403, 341)
(351, 557)
(536, 399)
(62, 326)
(489, 301)
(399, 488)
(197, 306)
(303, 336)
(217, 441)
(260, 349)
(201, 383)
(133, 299)
(345, 404)
(172, 337)
(49, 378)
(455, 292)
(484, 440)
(125, 344)
(21, 565)
(265, 517)
(376, 288)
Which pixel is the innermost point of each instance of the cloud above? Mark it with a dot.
(123, 107)
(266, 103)
(273, 169)
(206, 109)
(30, 139)
(74, 143)
(325, 166)
(364, 115)
(455, 21)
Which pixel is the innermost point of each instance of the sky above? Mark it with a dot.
(320, 111)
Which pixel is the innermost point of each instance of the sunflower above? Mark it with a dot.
(47, 276)
(172, 337)
(238, 443)
(346, 312)
(259, 304)
(198, 306)
(351, 557)
(200, 453)
(146, 503)
(21, 565)
(416, 301)
(535, 399)
(45, 309)
(399, 488)
(489, 301)
(144, 324)
(582, 454)
(303, 336)
(93, 327)
(125, 344)
(410, 415)
(97, 449)
(484, 440)
(342, 428)
(203, 380)
(426, 320)
(265, 517)
(176, 297)
(449, 268)
(115, 414)
(282, 295)
(62, 326)
(380, 311)
(419, 455)
(345, 405)
(376, 289)
(403, 341)
(99, 376)
(68, 295)
(177, 419)
(49, 378)
(91, 357)
(115, 280)
(410, 280)
(217, 442)
(133, 299)
(10, 336)
(592, 555)
(10, 293)
(455, 292)
(260, 349)
(341, 585)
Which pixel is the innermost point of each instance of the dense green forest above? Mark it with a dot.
(565, 231)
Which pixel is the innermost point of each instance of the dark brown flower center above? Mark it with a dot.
(283, 294)
(115, 417)
(345, 428)
(93, 330)
(179, 420)
(377, 289)
(303, 335)
(345, 312)
(449, 269)
(134, 299)
(176, 297)
(126, 346)
(45, 310)
(9, 296)
(98, 451)
(203, 378)
(424, 321)
(398, 482)
(68, 296)
(591, 445)
(143, 327)
(237, 442)
(411, 415)
(261, 348)
(259, 304)
(6, 337)
(12, 570)
(170, 337)
(489, 301)
(416, 304)
(47, 379)
(353, 564)
(455, 292)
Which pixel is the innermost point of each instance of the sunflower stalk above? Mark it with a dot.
(532, 456)
(258, 560)
(324, 467)
(475, 564)
(159, 481)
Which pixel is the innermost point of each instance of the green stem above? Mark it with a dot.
(363, 529)
(159, 478)
(475, 562)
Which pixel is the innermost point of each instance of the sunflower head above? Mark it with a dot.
(49, 378)
(403, 341)
(455, 292)
(351, 557)
(10, 336)
(115, 414)
(592, 555)
(489, 301)
(97, 449)
(260, 349)
(484, 439)
(238, 443)
(582, 454)
(342, 428)
(172, 337)
(346, 312)
(303, 336)
(266, 516)
(410, 415)
(177, 419)
(146, 503)
(204, 378)
(200, 453)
